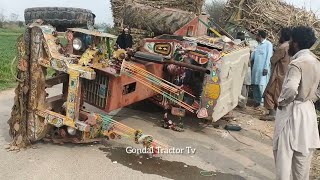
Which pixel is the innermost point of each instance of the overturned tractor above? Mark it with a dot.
(183, 72)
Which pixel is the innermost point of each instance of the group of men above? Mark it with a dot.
(286, 81)
(268, 70)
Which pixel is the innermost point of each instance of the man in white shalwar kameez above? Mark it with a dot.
(296, 134)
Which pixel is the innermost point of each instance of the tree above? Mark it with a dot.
(106, 28)
(216, 11)
(2, 19)
(111, 29)
(14, 17)
(20, 24)
(100, 26)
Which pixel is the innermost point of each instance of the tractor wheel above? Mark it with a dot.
(159, 21)
(61, 17)
(119, 6)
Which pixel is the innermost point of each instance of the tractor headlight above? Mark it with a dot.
(77, 44)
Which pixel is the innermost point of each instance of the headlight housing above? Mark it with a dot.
(77, 44)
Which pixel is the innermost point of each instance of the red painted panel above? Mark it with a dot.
(116, 98)
(199, 29)
(184, 30)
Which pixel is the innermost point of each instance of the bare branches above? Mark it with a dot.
(215, 10)
(271, 15)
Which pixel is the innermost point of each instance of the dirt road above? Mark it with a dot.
(219, 155)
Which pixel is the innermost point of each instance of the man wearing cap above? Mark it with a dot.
(124, 40)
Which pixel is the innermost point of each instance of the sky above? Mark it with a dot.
(101, 8)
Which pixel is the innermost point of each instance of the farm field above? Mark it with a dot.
(8, 39)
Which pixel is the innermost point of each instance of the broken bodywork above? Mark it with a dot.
(184, 72)
(61, 118)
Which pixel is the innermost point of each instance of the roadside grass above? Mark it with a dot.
(8, 39)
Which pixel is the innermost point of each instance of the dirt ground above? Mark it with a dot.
(315, 166)
(315, 169)
(220, 154)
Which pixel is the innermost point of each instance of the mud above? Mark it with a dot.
(156, 165)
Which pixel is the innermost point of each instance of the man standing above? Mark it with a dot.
(247, 79)
(279, 65)
(124, 40)
(261, 67)
(296, 133)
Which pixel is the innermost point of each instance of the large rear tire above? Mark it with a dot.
(61, 17)
(159, 21)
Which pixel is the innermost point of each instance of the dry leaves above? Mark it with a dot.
(271, 16)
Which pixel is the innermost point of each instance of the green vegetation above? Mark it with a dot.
(8, 39)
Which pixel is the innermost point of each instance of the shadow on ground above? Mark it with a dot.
(154, 114)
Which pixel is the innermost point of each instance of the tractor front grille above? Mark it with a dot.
(96, 91)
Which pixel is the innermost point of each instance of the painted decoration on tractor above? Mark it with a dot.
(87, 56)
(22, 62)
(178, 52)
(212, 91)
(72, 98)
(214, 76)
(199, 56)
(213, 73)
(189, 45)
(73, 103)
(59, 61)
(215, 79)
(57, 122)
(203, 60)
(211, 103)
(215, 55)
(44, 62)
(149, 46)
(202, 113)
(162, 48)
